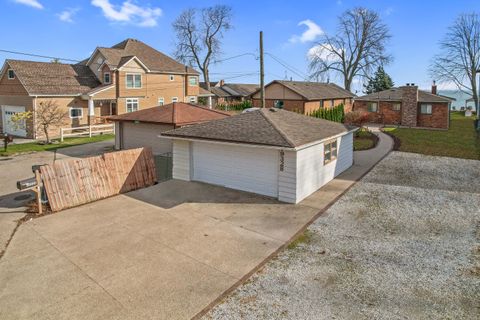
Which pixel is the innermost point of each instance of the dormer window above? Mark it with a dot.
(11, 74)
(106, 77)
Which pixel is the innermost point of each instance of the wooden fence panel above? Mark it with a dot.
(69, 183)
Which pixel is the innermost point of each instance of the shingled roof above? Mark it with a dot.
(177, 113)
(396, 94)
(315, 90)
(154, 60)
(270, 127)
(48, 78)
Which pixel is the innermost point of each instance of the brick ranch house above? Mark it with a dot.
(407, 106)
(303, 97)
(126, 77)
(230, 93)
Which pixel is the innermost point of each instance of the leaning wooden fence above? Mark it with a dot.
(69, 183)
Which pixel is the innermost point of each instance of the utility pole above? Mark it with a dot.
(262, 72)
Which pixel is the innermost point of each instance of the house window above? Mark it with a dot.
(278, 104)
(171, 77)
(332, 103)
(161, 101)
(329, 151)
(132, 104)
(11, 74)
(372, 107)
(396, 106)
(321, 103)
(134, 81)
(174, 99)
(425, 108)
(106, 77)
(192, 81)
(192, 99)
(76, 113)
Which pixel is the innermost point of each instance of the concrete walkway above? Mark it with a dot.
(165, 252)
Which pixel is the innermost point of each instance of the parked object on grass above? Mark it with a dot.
(270, 151)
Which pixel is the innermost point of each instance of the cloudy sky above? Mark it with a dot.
(72, 29)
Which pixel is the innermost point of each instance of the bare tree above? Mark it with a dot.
(199, 37)
(47, 115)
(459, 59)
(356, 50)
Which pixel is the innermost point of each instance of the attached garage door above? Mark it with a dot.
(242, 168)
(137, 135)
(8, 126)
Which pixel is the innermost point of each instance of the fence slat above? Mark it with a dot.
(69, 183)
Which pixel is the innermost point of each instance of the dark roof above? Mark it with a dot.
(48, 78)
(231, 89)
(272, 127)
(315, 90)
(154, 60)
(396, 94)
(177, 113)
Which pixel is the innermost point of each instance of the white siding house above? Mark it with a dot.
(289, 172)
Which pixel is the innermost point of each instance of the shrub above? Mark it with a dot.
(234, 106)
(357, 118)
(336, 114)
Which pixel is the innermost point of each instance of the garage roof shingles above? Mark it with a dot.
(177, 113)
(272, 127)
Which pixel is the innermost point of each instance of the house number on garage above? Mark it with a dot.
(282, 160)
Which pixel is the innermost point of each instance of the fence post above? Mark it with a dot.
(61, 134)
(90, 131)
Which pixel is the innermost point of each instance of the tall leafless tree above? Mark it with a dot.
(49, 114)
(199, 34)
(459, 59)
(356, 50)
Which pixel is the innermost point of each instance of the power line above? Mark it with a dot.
(301, 75)
(37, 55)
(237, 56)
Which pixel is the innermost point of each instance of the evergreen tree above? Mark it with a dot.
(380, 81)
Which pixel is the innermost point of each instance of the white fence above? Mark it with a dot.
(86, 130)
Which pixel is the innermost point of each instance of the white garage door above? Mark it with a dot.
(137, 135)
(242, 168)
(8, 126)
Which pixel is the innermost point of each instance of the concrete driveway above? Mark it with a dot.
(164, 252)
(19, 167)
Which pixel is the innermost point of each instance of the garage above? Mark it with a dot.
(271, 152)
(8, 126)
(143, 128)
(242, 168)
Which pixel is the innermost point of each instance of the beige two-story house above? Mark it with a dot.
(126, 77)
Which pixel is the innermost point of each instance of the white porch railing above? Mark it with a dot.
(86, 130)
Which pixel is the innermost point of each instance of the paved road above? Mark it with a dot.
(164, 252)
(19, 167)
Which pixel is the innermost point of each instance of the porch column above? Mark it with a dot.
(210, 102)
(91, 110)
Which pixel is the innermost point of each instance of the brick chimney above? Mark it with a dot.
(221, 83)
(409, 105)
(434, 87)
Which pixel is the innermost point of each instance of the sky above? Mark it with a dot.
(73, 29)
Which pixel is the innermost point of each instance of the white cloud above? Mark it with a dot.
(313, 32)
(323, 52)
(32, 3)
(67, 15)
(129, 12)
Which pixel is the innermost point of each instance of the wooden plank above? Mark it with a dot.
(69, 183)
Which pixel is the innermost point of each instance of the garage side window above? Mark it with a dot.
(329, 151)
(426, 108)
(372, 107)
(76, 113)
(132, 105)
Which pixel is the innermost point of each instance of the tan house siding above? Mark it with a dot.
(11, 87)
(65, 104)
(94, 65)
(276, 91)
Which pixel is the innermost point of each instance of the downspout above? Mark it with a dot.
(34, 115)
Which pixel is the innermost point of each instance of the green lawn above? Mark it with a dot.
(68, 142)
(460, 141)
(363, 140)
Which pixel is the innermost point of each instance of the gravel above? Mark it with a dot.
(403, 243)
